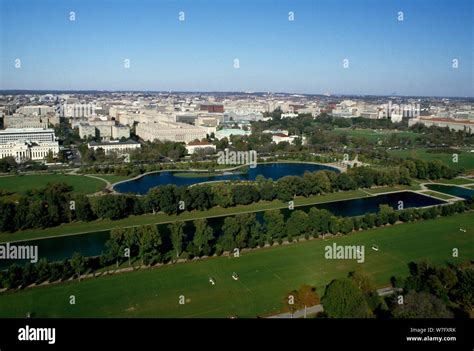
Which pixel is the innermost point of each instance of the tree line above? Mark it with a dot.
(149, 245)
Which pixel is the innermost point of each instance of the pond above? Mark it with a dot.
(268, 170)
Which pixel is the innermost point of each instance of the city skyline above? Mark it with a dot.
(304, 56)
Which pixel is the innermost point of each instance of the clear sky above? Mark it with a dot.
(385, 56)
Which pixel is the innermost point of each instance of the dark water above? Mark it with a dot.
(93, 244)
(452, 190)
(270, 170)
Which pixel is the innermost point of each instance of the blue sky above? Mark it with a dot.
(411, 57)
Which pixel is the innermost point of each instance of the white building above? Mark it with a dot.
(177, 132)
(25, 121)
(35, 110)
(115, 146)
(119, 131)
(25, 150)
(453, 124)
(27, 134)
(193, 146)
(280, 137)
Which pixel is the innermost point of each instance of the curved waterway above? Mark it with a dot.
(274, 171)
(92, 244)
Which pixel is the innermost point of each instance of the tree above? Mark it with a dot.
(463, 292)
(149, 244)
(203, 235)
(168, 199)
(274, 225)
(343, 299)
(177, 237)
(50, 157)
(319, 220)
(7, 216)
(305, 296)
(421, 305)
(83, 208)
(78, 264)
(245, 194)
(297, 225)
(230, 229)
(112, 207)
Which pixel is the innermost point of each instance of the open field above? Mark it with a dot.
(437, 195)
(465, 160)
(456, 181)
(99, 225)
(266, 275)
(374, 136)
(21, 183)
(374, 191)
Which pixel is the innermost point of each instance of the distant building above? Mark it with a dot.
(453, 124)
(226, 133)
(170, 131)
(119, 131)
(27, 150)
(86, 130)
(39, 110)
(280, 137)
(114, 146)
(193, 146)
(25, 121)
(26, 134)
(214, 108)
(105, 129)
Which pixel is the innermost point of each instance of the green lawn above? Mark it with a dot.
(438, 195)
(393, 188)
(374, 136)
(465, 159)
(266, 275)
(20, 183)
(455, 181)
(98, 225)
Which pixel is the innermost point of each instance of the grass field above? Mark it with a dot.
(374, 191)
(20, 183)
(456, 181)
(266, 275)
(374, 136)
(465, 159)
(98, 225)
(438, 195)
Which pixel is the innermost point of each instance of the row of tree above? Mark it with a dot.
(150, 245)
